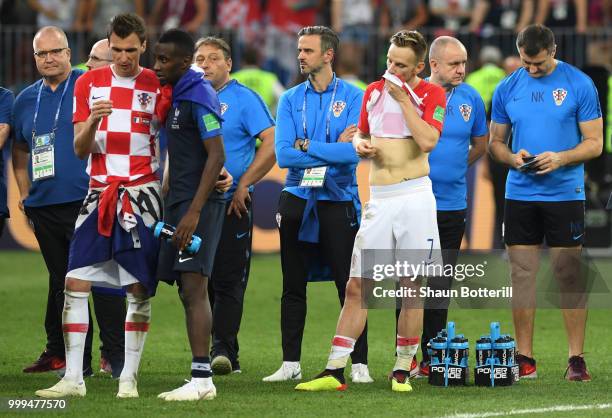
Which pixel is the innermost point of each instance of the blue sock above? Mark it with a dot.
(200, 367)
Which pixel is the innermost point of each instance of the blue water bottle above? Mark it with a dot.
(483, 350)
(165, 231)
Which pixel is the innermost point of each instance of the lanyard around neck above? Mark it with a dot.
(59, 106)
(329, 112)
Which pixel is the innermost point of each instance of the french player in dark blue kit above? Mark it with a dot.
(196, 156)
(555, 116)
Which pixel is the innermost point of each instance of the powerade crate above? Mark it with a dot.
(449, 358)
(495, 359)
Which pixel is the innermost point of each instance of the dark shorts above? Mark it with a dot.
(528, 223)
(171, 262)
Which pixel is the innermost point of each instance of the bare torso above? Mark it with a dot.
(397, 160)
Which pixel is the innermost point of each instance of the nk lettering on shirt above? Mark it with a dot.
(381, 115)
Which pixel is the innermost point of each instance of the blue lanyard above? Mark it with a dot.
(329, 112)
(59, 107)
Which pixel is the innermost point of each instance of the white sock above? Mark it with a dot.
(406, 349)
(342, 347)
(136, 328)
(75, 318)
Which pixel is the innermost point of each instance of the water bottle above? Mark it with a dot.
(502, 348)
(483, 350)
(438, 350)
(459, 351)
(512, 349)
(165, 231)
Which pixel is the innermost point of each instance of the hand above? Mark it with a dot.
(365, 149)
(517, 159)
(398, 93)
(298, 144)
(347, 134)
(100, 109)
(20, 204)
(224, 183)
(239, 202)
(165, 187)
(185, 229)
(548, 161)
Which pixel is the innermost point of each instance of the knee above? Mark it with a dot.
(76, 285)
(353, 289)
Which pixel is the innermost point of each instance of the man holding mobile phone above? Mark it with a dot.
(550, 202)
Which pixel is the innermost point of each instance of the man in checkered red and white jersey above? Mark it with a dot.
(116, 111)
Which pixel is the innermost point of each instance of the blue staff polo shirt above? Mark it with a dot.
(465, 118)
(545, 114)
(71, 180)
(245, 116)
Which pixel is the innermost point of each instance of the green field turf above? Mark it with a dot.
(167, 358)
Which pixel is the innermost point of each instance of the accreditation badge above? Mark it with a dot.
(313, 177)
(43, 156)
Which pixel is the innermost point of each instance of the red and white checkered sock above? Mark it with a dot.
(136, 329)
(406, 349)
(75, 318)
(342, 347)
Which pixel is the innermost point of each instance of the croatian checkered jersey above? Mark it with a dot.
(381, 115)
(126, 147)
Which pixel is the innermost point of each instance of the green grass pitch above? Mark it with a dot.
(167, 358)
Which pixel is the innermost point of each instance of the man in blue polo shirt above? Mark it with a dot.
(245, 118)
(319, 212)
(6, 105)
(52, 181)
(556, 122)
(463, 141)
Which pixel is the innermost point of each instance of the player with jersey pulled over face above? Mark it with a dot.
(116, 109)
(400, 123)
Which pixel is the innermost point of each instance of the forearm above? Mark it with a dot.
(212, 168)
(5, 129)
(475, 153)
(84, 138)
(334, 153)
(263, 162)
(20, 159)
(588, 149)
(500, 152)
(478, 148)
(423, 133)
(289, 157)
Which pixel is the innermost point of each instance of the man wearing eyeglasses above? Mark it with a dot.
(100, 55)
(52, 181)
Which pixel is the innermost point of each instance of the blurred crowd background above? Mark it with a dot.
(268, 27)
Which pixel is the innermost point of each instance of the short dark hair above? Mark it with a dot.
(182, 41)
(413, 40)
(329, 38)
(215, 42)
(125, 24)
(535, 38)
(250, 56)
